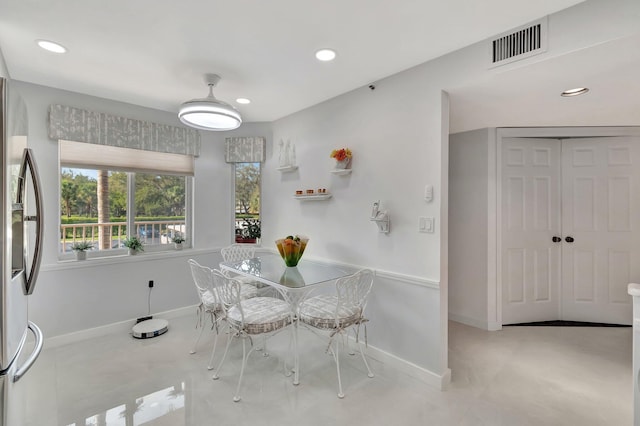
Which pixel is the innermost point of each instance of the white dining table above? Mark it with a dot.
(293, 283)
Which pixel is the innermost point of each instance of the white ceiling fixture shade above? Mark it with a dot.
(209, 113)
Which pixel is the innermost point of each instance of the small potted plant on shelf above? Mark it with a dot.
(134, 245)
(343, 157)
(81, 248)
(178, 240)
(250, 232)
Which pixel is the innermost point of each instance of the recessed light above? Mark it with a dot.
(325, 55)
(575, 92)
(243, 101)
(51, 46)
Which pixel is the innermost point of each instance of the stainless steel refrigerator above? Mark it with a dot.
(21, 235)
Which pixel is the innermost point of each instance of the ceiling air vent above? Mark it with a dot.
(519, 43)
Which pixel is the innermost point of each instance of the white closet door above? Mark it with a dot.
(601, 213)
(530, 215)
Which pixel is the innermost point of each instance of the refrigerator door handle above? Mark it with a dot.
(29, 162)
(34, 355)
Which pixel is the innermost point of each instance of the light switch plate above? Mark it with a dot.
(428, 193)
(426, 224)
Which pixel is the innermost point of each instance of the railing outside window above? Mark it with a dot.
(150, 232)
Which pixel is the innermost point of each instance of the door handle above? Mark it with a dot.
(569, 239)
(29, 162)
(556, 239)
(34, 355)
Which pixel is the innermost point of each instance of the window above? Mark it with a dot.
(160, 207)
(247, 203)
(105, 204)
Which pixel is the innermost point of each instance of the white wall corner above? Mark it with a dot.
(4, 72)
(438, 381)
(473, 322)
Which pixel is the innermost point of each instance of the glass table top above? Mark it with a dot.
(270, 269)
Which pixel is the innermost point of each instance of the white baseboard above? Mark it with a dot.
(473, 322)
(439, 381)
(118, 327)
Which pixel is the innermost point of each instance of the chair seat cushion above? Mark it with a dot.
(209, 301)
(261, 315)
(320, 312)
(247, 291)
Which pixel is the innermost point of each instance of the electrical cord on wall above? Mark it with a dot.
(148, 316)
(149, 302)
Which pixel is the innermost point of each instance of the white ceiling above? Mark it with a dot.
(529, 97)
(154, 53)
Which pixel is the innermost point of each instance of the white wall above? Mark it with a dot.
(395, 134)
(391, 164)
(468, 216)
(72, 296)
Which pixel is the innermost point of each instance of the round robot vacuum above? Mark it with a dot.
(150, 328)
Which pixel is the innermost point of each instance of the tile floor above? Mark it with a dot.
(518, 376)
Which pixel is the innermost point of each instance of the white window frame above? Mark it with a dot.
(233, 199)
(156, 248)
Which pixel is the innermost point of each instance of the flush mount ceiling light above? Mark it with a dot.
(51, 46)
(325, 55)
(209, 113)
(574, 92)
(243, 101)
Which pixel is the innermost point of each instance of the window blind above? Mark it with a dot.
(105, 157)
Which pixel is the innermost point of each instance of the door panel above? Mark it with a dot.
(542, 280)
(515, 275)
(530, 211)
(619, 278)
(601, 191)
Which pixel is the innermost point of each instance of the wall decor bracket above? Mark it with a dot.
(341, 172)
(381, 218)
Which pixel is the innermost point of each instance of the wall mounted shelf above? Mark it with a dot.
(341, 172)
(287, 169)
(314, 197)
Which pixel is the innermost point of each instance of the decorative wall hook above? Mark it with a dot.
(381, 218)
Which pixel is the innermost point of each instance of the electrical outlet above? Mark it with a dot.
(150, 283)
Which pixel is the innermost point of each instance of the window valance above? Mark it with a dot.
(245, 149)
(75, 124)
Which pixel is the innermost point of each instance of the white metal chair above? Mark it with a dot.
(338, 313)
(237, 252)
(210, 305)
(258, 316)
